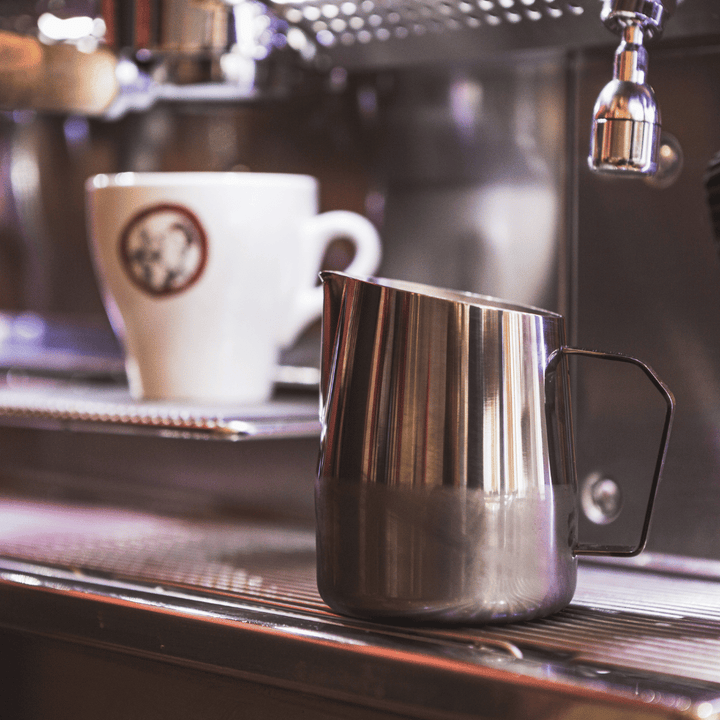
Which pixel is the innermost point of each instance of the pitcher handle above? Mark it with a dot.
(629, 551)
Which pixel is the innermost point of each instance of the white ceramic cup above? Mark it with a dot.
(207, 276)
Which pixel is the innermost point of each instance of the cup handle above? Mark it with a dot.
(623, 550)
(317, 234)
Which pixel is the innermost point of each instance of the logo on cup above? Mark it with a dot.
(164, 249)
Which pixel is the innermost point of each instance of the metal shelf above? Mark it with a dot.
(56, 404)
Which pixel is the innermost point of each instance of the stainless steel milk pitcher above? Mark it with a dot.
(446, 487)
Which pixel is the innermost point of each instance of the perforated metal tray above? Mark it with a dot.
(36, 402)
(391, 33)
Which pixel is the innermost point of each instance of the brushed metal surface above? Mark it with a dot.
(239, 599)
(446, 484)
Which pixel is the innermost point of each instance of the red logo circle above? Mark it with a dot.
(164, 249)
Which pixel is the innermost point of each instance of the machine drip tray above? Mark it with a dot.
(238, 600)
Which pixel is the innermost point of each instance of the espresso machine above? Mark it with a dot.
(552, 153)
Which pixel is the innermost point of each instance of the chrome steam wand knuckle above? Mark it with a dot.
(625, 135)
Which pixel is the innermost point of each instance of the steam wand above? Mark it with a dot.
(626, 120)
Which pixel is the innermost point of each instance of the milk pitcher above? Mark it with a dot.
(446, 487)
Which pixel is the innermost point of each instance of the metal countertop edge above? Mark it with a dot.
(353, 661)
(232, 429)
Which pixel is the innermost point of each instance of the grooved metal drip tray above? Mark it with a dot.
(240, 598)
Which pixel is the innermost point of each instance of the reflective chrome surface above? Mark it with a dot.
(651, 15)
(472, 368)
(446, 483)
(184, 50)
(626, 119)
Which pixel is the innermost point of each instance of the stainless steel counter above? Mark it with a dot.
(234, 604)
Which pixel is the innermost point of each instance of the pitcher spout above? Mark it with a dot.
(333, 288)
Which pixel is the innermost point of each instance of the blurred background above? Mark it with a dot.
(460, 129)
